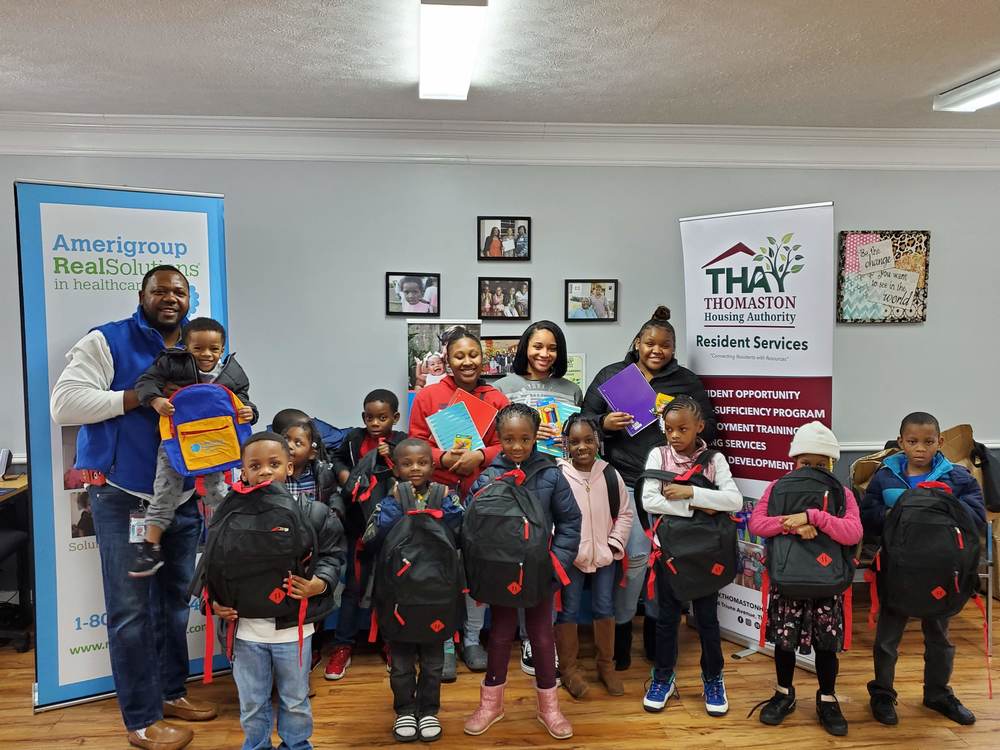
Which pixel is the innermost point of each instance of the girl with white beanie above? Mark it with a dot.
(804, 624)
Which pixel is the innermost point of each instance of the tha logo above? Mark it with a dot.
(774, 263)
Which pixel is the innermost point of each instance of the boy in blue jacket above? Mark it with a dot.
(921, 460)
(416, 701)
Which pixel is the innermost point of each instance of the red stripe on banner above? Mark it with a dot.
(755, 433)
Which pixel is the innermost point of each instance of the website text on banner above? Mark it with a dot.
(759, 290)
(83, 252)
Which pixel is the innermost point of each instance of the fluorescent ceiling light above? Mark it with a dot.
(449, 41)
(982, 92)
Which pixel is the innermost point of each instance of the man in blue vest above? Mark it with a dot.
(147, 617)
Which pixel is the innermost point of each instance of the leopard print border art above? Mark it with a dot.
(859, 301)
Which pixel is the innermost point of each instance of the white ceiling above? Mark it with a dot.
(857, 63)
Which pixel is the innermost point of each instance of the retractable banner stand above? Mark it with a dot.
(759, 289)
(82, 253)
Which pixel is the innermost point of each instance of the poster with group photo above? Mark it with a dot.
(83, 251)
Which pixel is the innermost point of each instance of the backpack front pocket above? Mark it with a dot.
(208, 442)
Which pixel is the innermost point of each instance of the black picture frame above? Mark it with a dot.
(394, 303)
(612, 302)
(504, 282)
(484, 229)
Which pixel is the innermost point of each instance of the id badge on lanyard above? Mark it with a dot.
(137, 526)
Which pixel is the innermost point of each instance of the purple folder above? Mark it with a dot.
(629, 391)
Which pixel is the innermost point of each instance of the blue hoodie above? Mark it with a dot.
(890, 481)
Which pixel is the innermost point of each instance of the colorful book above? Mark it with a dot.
(554, 412)
(453, 427)
(482, 413)
(630, 392)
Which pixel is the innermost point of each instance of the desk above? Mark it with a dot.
(14, 501)
(13, 487)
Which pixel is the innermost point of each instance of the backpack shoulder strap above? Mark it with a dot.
(614, 491)
(407, 500)
(435, 496)
(706, 457)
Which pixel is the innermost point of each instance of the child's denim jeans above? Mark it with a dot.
(255, 667)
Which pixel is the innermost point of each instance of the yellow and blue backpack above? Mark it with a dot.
(204, 434)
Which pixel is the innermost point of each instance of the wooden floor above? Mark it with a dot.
(357, 711)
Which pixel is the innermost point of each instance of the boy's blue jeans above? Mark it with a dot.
(258, 666)
(147, 617)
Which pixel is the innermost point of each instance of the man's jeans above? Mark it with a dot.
(147, 617)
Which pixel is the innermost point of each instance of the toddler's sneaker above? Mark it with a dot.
(715, 695)
(657, 694)
(147, 560)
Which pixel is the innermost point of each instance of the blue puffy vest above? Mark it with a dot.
(124, 448)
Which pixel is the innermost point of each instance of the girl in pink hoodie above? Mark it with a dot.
(607, 519)
(797, 624)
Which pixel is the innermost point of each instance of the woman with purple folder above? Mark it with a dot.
(652, 352)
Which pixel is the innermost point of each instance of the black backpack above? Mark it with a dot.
(800, 568)
(928, 565)
(367, 484)
(698, 554)
(257, 536)
(419, 578)
(505, 543)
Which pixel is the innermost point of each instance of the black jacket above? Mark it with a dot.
(348, 453)
(177, 366)
(331, 556)
(628, 454)
(554, 495)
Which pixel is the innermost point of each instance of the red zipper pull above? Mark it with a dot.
(520, 574)
(398, 616)
(961, 541)
(957, 590)
(525, 526)
(406, 567)
(670, 564)
(826, 500)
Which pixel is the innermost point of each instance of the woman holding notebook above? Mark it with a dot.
(652, 352)
(458, 465)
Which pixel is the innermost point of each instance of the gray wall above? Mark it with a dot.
(309, 243)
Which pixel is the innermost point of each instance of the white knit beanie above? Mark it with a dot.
(815, 437)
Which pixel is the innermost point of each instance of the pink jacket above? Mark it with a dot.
(602, 540)
(846, 530)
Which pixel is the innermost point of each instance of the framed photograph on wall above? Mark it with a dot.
(591, 300)
(503, 238)
(498, 355)
(413, 294)
(883, 276)
(504, 298)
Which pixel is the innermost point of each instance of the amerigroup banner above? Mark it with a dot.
(759, 290)
(83, 251)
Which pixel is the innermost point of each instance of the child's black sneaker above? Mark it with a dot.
(830, 716)
(777, 708)
(884, 709)
(147, 560)
(952, 707)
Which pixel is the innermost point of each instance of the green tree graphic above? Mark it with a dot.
(778, 259)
